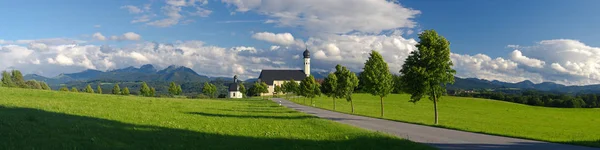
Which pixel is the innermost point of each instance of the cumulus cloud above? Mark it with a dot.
(332, 16)
(517, 56)
(98, 36)
(279, 38)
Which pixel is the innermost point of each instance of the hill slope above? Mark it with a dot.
(35, 119)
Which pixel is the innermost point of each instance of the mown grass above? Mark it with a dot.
(580, 126)
(35, 119)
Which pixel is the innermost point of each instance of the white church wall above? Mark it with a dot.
(235, 94)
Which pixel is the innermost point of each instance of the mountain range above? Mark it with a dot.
(474, 83)
(183, 74)
(145, 73)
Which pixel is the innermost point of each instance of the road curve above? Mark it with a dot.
(437, 137)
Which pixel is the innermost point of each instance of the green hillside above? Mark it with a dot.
(35, 119)
(566, 125)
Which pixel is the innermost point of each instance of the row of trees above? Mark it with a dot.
(15, 79)
(425, 73)
(542, 99)
(145, 90)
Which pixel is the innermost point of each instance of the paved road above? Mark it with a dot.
(437, 137)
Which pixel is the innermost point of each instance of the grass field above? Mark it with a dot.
(35, 119)
(564, 125)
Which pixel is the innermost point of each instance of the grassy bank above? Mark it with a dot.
(565, 125)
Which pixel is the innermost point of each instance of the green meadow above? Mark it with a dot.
(36, 119)
(580, 126)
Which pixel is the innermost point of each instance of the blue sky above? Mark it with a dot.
(342, 33)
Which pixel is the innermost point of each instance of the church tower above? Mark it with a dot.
(307, 62)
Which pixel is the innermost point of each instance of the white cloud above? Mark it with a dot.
(132, 9)
(274, 47)
(131, 36)
(171, 12)
(517, 56)
(98, 36)
(97, 26)
(279, 38)
(332, 16)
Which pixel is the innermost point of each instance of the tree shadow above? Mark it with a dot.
(252, 116)
(26, 128)
(254, 111)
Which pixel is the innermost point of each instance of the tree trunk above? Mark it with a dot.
(334, 103)
(381, 99)
(352, 104)
(435, 108)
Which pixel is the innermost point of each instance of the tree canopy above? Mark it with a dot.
(209, 90)
(427, 70)
(377, 77)
(88, 89)
(116, 89)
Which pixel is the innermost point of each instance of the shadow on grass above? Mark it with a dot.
(252, 116)
(25, 128)
(255, 111)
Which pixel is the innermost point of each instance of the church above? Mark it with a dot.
(277, 77)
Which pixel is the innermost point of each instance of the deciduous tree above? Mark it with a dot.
(309, 88)
(32, 84)
(209, 89)
(427, 70)
(145, 90)
(7, 79)
(64, 89)
(17, 78)
(73, 89)
(243, 90)
(45, 86)
(99, 89)
(88, 89)
(116, 89)
(173, 88)
(329, 87)
(125, 91)
(377, 77)
(346, 83)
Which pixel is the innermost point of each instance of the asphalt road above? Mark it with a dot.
(437, 137)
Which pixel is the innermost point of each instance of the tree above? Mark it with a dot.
(346, 83)
(99, 89)
(7, 80)
(116, 89)
(277, 89)
(243, 90)
(329, 87)
(309, 88)
(32, 84)
(173, 88)
(88, 89)
(64, 89)
(145, 90)
(45, 86)
(73, 89)
(209, 89)
(179, 91)
(377, 77)
(125, 91)
(427, 70)
(264, 88)
(152, 92)
(17, 78)
(291, 87)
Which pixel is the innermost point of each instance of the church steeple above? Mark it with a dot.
(306, 62)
